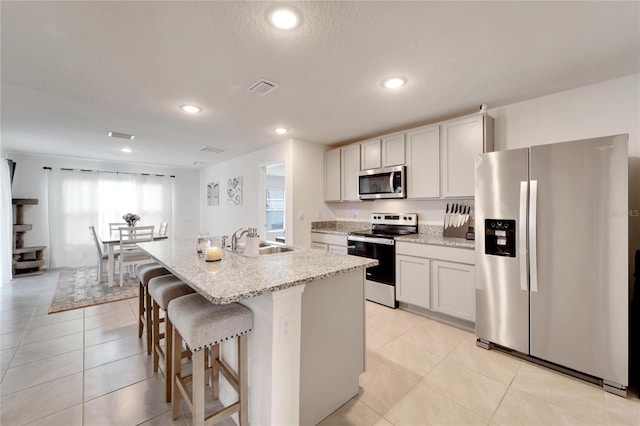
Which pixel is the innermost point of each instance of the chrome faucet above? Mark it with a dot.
(235, 237)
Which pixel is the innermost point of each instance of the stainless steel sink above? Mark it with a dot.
(273, 249)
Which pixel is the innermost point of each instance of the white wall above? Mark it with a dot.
(30, 181)
(304, 168)
(224, 219)
(308, 190)
(607, 108)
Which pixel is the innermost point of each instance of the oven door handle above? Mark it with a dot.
(372, 240)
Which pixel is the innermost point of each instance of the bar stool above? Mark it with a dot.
(145, 272)
(162, 290)
(202, 325)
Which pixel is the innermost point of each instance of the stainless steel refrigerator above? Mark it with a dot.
(552, 255)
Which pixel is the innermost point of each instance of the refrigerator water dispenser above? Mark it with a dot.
(500, 237)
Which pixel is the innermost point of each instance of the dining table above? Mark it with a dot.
(111, 240)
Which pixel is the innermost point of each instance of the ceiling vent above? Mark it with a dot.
(262, 87)
(121, 135)
(211, 149)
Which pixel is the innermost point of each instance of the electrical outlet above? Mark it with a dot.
(285, 326)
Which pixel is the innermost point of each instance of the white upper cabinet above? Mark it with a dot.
(461, 141)
(385, 152)
(350, 170)
(393, 150)
(370, 154)
(332, 173)
(423, 162)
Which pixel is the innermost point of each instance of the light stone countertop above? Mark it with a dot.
(427, 234)
(237, 277)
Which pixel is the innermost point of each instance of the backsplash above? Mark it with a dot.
(341, 225)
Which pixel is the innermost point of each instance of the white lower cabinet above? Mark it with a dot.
(438, 278)
(319, 246)
(412, 280)
(329, 242)
(453, 289)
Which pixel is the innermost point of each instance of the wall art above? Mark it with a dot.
(234, 191)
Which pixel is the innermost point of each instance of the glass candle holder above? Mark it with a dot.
(212, 250)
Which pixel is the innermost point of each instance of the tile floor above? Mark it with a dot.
(88, 367)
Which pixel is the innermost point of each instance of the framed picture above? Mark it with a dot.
(234, 191)
(213, 193)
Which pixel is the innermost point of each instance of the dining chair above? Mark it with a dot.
(129, 254)
(102, 256)
(114, 226)
(163, 229)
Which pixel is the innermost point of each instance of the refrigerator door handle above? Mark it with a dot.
(522, 235)
(533, 236)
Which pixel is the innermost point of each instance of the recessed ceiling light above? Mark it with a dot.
(394, 83)
(192, 109)
(281, 130)
(127, 150)
(121, 135)
(285, 19)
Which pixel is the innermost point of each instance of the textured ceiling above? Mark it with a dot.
(72, 71)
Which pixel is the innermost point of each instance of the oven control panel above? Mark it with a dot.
(410, 219)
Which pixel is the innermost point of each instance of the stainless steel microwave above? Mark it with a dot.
(388, 182)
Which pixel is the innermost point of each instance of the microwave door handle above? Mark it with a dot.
(391, 188)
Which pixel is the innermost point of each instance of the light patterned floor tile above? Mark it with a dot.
(394, 321)
(353, 412)
(113, 351)
(376, 339)
(116, 375)
(37, 351)
(380, 386)
(47, 319)
(408, 359)
(466, 387)
(490, 363)
(110, 332)
(123, 406)
(423, 406)
(51, 331)
(35, 373)
(69, 417)
(565, 392)
(434, 337)
(42, 400)
(621, 411)
(521, 408)
(383, 422)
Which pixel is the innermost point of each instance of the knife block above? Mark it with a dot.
(459, 231)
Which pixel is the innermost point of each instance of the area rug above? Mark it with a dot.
(77, 288)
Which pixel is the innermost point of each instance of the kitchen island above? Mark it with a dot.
(306, 349)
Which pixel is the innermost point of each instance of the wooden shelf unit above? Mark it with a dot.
(27, 261)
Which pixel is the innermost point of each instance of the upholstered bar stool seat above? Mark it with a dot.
(202, 325)
(162, 290)
(145, 272)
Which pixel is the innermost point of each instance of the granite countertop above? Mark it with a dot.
(237, 277)
(427, 234)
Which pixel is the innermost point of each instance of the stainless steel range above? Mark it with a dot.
(379, 243)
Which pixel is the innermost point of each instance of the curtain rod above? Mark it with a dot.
(109, 171)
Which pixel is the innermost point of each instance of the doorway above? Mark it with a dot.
(274, 203)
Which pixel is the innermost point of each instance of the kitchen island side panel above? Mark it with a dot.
(332, 344)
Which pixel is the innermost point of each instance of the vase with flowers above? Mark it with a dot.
(131, 219)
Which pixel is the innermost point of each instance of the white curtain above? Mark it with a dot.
(6, 223)
(73, 207)
(78, 199)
